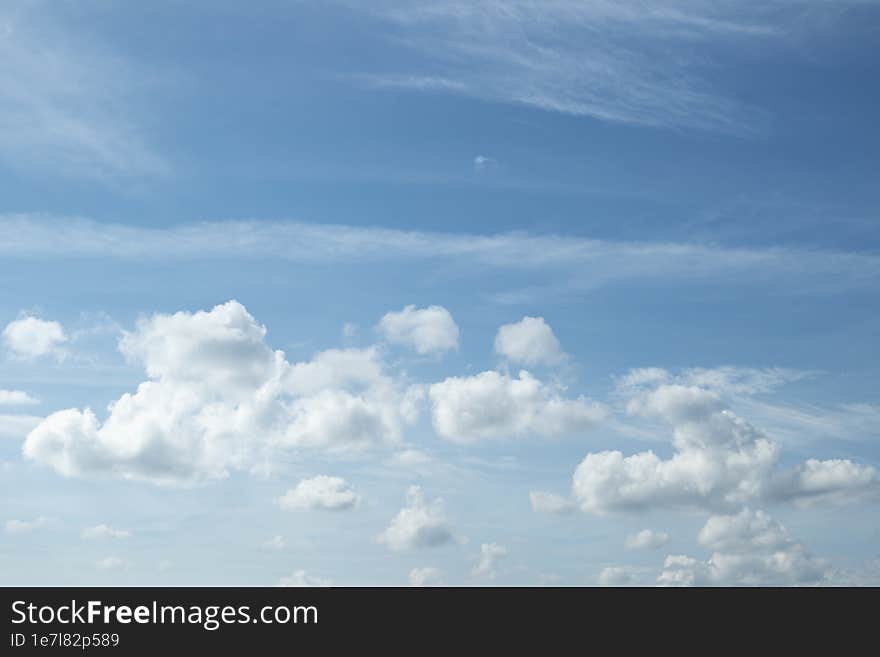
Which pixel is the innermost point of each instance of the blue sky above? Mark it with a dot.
(684, 193)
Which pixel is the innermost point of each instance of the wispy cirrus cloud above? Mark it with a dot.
(586, 263)
(66, 105)
(629, 62)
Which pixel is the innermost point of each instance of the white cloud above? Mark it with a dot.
(111, 563)
(483, 163)
(834, 481)
(530, 341)
(748, 548)
(275, 543)
(583, 262)
(418, 525)
(615, 576)
(543, 502)
(16, 398)
(218, 398)
(727, 380)
(301, 578)
(720, 461)
(428, 576)
(67, 105)
(646, 539)
(31, 337)
(428, 330)
(491, 405)
(25, 526)
(545, 54)
(490, 555)
(100, 532)
(321, 493)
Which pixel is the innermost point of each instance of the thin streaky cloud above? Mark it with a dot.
(67, 105)
(587, 260)
(627, 62)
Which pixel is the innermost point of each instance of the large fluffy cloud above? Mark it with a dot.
(748, 548)
(426, 330)
(530, 341)
(321, 493)
(32, 337)
(492, 405)
(719, 461)
(218, 398)
(419, 524)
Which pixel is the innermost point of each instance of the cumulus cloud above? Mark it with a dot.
(419, 524)
(492, 405)
(530, 341)
(544, 502)
(748, 548)
(16, 398)
(428, 576)
(99, 532)
(217, 398)
(646, 539)
(719, 461)
(490, 555)
(301, 578)
(25, 526)
(28, 337)
(428, 330)
(321, 493)
(614, 576)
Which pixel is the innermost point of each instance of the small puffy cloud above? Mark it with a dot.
(483, 163)
(25, 526)
(646, 540)
(218, 398)
(492, 405)
(834, 481)
(275, 543)
(425, 577)
(428, 330)
(530, 341)
(748, 549)
(614, 576)
(111, 563)
(720, 461)
(544, 502)
(419, 524)
(31, 337)
(16, 398)
(321, 493)
(490, 555)
(100, 532)
(301, 578)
